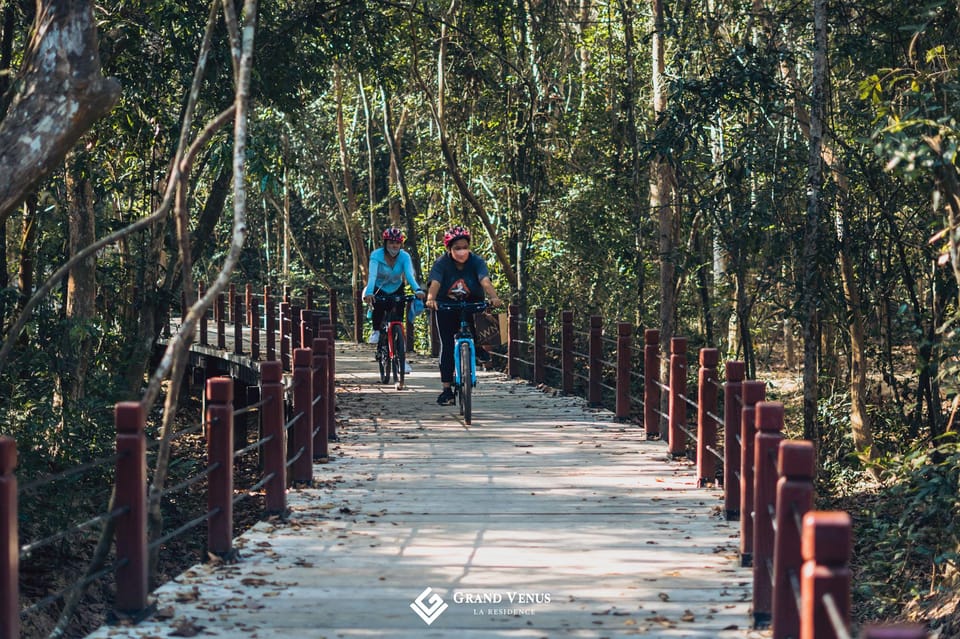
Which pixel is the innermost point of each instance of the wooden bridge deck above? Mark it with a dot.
(542, 519)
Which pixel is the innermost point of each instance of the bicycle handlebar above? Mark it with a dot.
(393, 297)
(476, 307)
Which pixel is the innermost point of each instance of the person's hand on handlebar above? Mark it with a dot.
(420, 294)
(431, 303)
(496, 302)
(368, 299)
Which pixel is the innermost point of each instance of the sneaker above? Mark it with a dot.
(447, 397)
(407, 368)
(374, 338)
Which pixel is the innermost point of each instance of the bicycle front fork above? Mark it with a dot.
(456, 361)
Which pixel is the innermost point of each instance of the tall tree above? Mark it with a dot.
(811, 276)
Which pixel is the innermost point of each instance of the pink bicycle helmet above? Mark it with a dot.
(392, 234)
(455, 233)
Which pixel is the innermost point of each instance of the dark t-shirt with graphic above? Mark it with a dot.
(459, 284)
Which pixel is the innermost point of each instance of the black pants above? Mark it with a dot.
(382, 307)
(448, 323)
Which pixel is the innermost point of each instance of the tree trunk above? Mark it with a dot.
(859, 417)
(639, 212)
(61, 94)
(82, 281)
(663, 201)
(353, 230)
(28, 242)
(810, 286)
(396, 170)
(450, 159)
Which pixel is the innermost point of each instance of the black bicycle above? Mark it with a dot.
(391, 349)
(464, 355)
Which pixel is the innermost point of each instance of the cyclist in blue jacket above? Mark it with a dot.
(390, 265)
(458, 275)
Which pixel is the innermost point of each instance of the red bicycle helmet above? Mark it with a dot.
(455, 233)
(392, 234)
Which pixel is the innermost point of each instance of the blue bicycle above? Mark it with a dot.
(464, 355)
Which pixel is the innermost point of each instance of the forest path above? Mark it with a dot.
(544, 518)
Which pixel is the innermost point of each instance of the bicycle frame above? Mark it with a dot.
(390, 354)
(456, 359)
(391, 312)
(464, 335)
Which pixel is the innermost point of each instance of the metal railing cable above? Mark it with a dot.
(29, 549)
(71, 472)
(297, 456)
(715, 452)
(193, 523)
(836, 619)
(190, 481)
(293, 420)
(82, 583)
(257, 444)
(249, 492)
(252, 407)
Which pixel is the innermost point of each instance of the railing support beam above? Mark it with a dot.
(9, 542)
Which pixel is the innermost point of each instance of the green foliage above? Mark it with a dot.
(908, 533)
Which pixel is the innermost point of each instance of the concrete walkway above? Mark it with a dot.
(544, 518)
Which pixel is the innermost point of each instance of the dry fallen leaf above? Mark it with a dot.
(186, 628)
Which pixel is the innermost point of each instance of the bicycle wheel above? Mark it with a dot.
(466, 383)
(399, 355)
(383, 360)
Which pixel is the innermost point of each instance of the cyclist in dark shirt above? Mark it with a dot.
(458, 275)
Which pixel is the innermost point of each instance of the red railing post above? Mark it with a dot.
(284, 335)
(302, 468)
(566, 352)
(237, 326)
(513, 343)
(295, 334)
(270, 325)
(219, 422)
(677, 437)
(753, 392)
(327, 331)
(595, 353)
(769, 425)
(306, 328)
(218, 315)
(204, 340)
(624, 361)
(827, 541)
(732, 409)
(651, 383)
(9, 542)
(708, 387)
(130, 534)
(275, 448)
(321, 389)
(796, 460)
(232, 301)
(308, 300)
(333, 312)
(358, 316)
(254, 312)
(540, 346)
(248, 302)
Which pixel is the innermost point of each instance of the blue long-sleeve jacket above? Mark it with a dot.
(384, 279)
